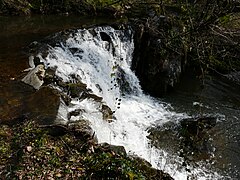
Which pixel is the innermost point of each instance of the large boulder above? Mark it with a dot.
(43, 105)
(13, 96)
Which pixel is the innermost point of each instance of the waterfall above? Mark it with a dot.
(101, 58)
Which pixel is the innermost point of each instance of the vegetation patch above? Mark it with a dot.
(84, 7)
(29, 151)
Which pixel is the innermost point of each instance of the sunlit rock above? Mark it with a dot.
(35, 76)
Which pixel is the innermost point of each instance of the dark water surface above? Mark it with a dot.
(218, 98)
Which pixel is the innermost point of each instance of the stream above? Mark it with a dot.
(100, 64)
(221, 98)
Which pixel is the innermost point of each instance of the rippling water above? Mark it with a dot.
(218, 97)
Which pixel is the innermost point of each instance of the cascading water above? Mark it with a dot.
(101, 58)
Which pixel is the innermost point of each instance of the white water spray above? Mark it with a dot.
(101, 58)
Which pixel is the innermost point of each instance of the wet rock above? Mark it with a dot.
(76, 112)
(191, 139)
(59, 81)
(160, 136)
(105, 37)
(91, 96)
(66, 99)
(123, 81)
(49, 75)
(194, 126)
(76, 51)
(107, 113)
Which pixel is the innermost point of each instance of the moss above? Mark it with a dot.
(17, 7)
(231, 21)
(85, 7)
(109, 164)
(101, 5)
(5, 146)
(218, 64)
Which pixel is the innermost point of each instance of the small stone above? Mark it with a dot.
(29, 148)
(58, 175)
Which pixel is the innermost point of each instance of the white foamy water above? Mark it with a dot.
(101, 58)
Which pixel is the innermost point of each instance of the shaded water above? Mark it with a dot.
(218, 97)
